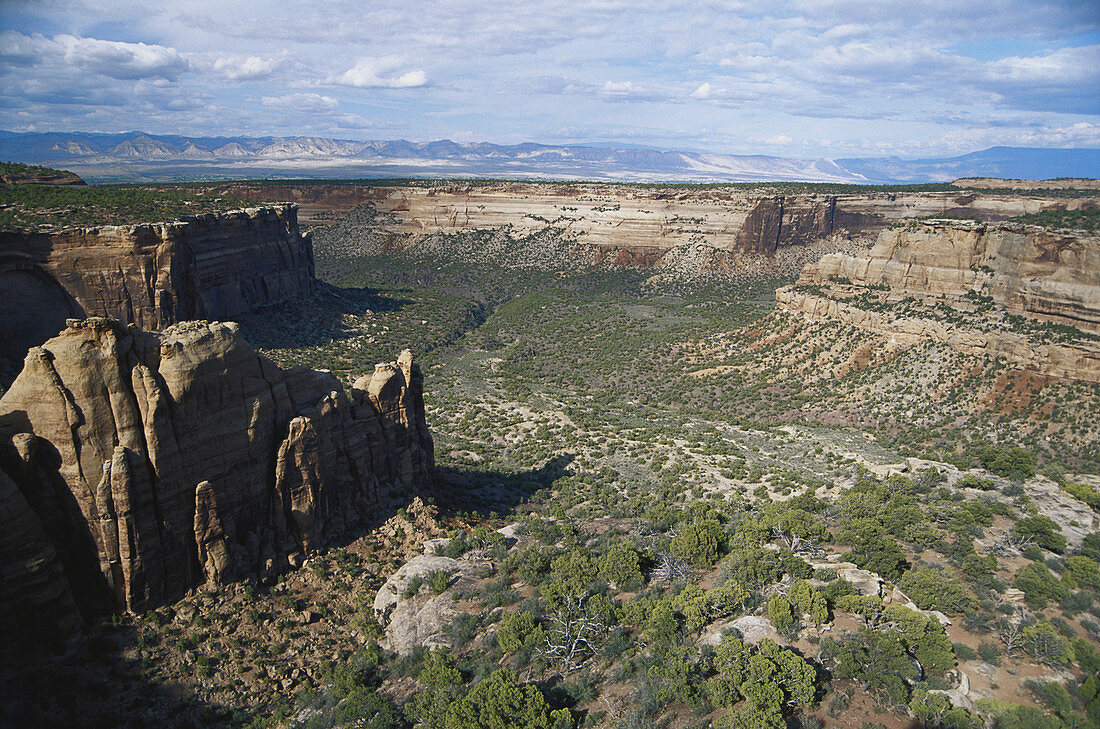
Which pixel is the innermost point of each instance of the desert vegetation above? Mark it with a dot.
(662, 504)
(47, 207)
(684, 464)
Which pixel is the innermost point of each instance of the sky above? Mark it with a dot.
(796, 78)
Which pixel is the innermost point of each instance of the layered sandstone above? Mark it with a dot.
(1078, 360)
(637, 222)
(633, 225)
(976, 274)
(1027, 270)
(135, 466)
(214, 266)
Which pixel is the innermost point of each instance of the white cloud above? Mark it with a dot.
(120, 60)
(703, 92)
(381, 72)
(620, 88)
(1072, 65)
(1080, 134)
(301, 102)
(113, 59)
(248, 68)
(842, 73)
(23, 49)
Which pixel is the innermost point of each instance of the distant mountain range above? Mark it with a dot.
(137, 156)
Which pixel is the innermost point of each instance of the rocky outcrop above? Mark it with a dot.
(1074, 518)
(26, 175)
(968, 280)
(421, 619)
(753, 628)
(1077, 360)
(780, 221)
(215, 266)
(1027, 270)
(135, 466)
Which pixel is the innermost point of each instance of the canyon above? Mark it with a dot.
(240, 501)
(637, 225)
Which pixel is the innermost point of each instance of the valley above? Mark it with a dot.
(857, 428)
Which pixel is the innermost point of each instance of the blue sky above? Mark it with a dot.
(804, 78)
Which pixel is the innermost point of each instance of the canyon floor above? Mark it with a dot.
(589, 410)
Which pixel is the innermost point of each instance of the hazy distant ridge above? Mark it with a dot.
(144, 156)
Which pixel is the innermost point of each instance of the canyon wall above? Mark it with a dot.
(632, 224)
(1027, 270)
(135, 466)
(214, 266)
(967, 282)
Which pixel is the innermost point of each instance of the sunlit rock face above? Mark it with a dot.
(961, 268)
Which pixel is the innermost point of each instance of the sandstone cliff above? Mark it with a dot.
(152, 275)
(135, 466)
(786, 221)
(982, 289)
(632, 225)
(1027, 270)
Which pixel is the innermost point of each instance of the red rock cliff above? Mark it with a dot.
(135, 466)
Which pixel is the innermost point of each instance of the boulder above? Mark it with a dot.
(421, 619)
(1075, 518)
(753, 629)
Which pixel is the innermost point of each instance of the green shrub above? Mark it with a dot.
(933, 588)
(1039, 585)
(438, 581)
(970, 481)
(1045, 644)
(1084, 493)
(1042, 530)
(698, 543)
(621, 565)
(779, 610)
(519, 631)
(501, 701)
(1083, 572)
(1010, 462)
(989, 652)
(768, 676)
(808, 601)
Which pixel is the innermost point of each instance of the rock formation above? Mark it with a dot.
(135, 466)
(26, 175)
(629, 226)
(981, 276)
(214, 266)
(1027, 270)
(421, 620)
(778, 221)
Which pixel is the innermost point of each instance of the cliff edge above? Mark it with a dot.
(1021, 292)
(211, 266)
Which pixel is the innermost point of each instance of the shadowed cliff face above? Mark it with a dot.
(205, 267)
(136, 466)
